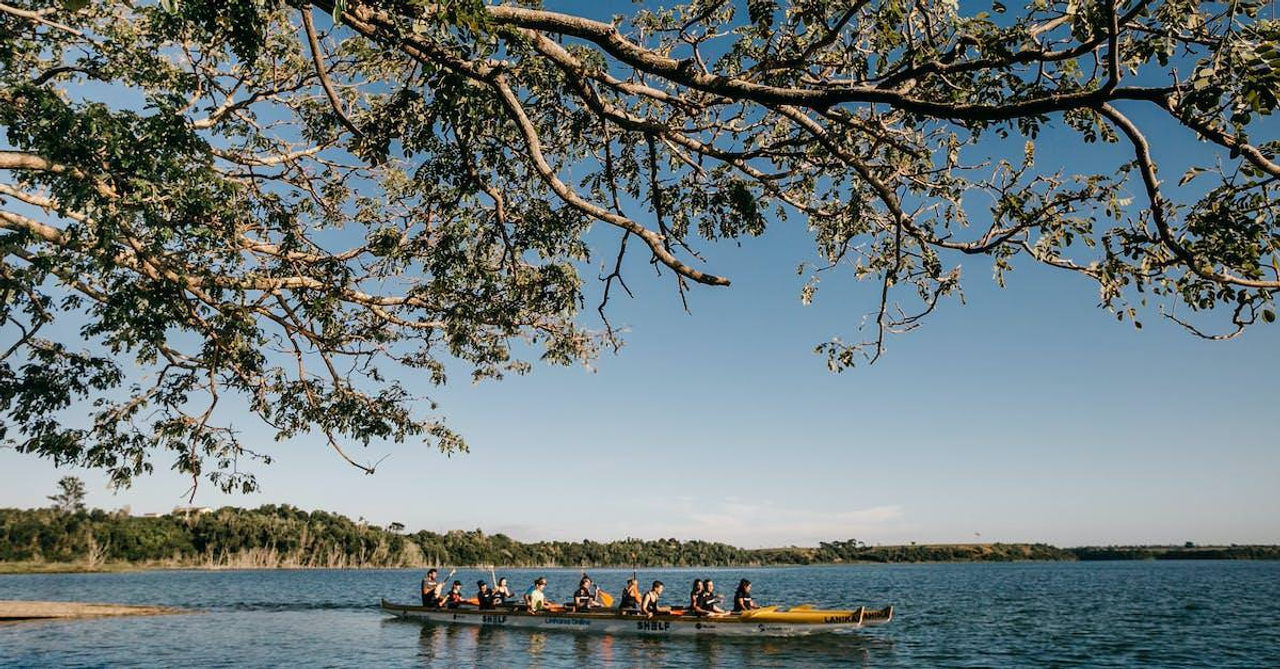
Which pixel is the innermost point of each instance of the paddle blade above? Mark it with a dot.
(606, 598)
(474, 601)
(755, 612)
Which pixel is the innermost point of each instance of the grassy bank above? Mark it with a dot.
(28, 567)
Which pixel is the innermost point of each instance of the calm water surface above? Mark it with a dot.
(1100, 614)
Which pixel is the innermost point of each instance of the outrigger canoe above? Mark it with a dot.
(767, 621)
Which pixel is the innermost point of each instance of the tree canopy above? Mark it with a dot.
(70, 495)
(293, 205)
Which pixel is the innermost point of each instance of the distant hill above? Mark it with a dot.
(282, 536)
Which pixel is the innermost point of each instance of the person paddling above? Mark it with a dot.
(649, 605)
(583, 597)
(501, 592)
(742, 600)
(710, 601)
(630, 600)
(695, 599)
(534, 597)
(453, 600)
(431, 589)
(484, 597)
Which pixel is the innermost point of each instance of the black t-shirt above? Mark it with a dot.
(652, 606)
(743, 602)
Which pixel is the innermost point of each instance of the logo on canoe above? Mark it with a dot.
(704, 626)
(566, 621)
(493, 620)
(840, 619)
(653, 625)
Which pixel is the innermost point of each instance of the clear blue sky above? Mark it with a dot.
(1026, 415)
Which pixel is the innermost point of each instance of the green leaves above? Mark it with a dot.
(215, 228)
(239, 23)
(761, 12)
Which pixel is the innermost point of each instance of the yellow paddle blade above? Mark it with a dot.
(606, 598)
(755, 612)
(474, 601)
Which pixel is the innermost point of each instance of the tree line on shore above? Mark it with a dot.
(285, 536)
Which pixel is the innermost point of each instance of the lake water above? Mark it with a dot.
(1096, 614)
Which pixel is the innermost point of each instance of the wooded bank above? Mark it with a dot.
(44, 540)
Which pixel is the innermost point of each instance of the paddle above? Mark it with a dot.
(755, 612)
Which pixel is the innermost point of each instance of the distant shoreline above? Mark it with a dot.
(1078, 554)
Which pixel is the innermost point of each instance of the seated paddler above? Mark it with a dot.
(584, 598)
(501, 592)
(649, 604)
(630, 600)
(535, 598)
(742, 600)
(453, 600)
(709, 602)
(431, 589)
(484, 597)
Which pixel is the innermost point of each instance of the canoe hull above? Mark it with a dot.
(771, 624)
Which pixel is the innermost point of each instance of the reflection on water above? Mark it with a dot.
(1218, 614)
(451, 645)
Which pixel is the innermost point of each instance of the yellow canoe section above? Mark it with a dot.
(807, 614)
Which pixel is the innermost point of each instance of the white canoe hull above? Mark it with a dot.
(612, 623)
